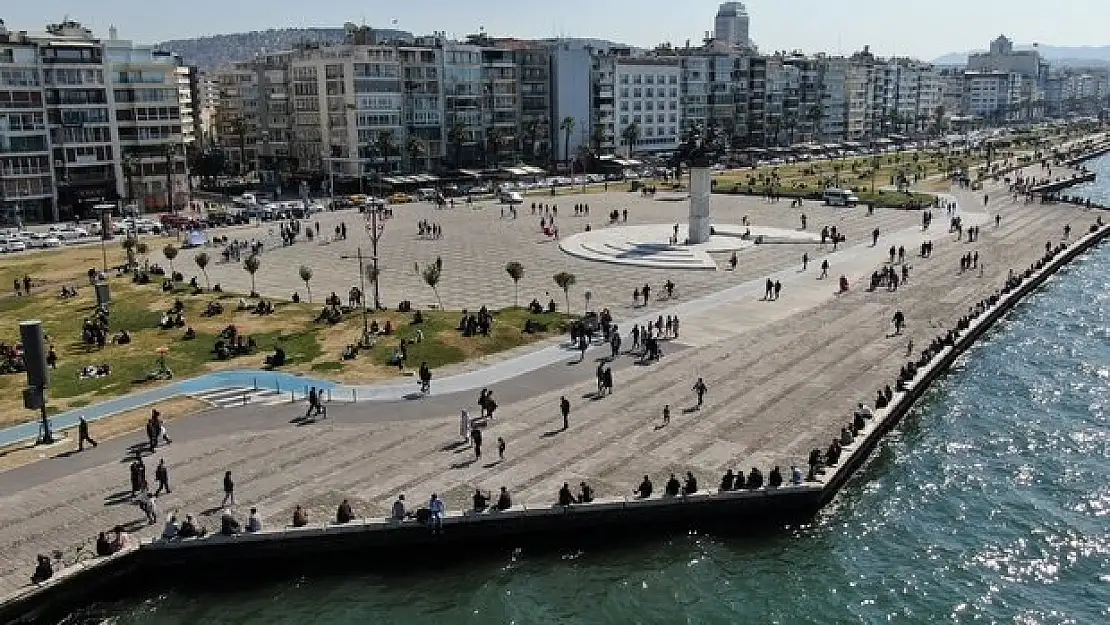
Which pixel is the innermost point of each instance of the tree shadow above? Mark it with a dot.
(455, 446)
(464, 464)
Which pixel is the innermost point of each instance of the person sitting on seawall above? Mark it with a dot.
(189, 528)
(228, 525)
(691, 485)
(565, 496)
(300, 517)
(643, 491)
(585, 493)
(796, 477)
(774, 479)
(481, 501)
(727, 481)
(103, 545)
(44, 570)
(755, 479)
(254, 522)
(170, 530)
(504, 501)
(344, 514)
(673, 487)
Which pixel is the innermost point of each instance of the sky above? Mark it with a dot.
(922, 29)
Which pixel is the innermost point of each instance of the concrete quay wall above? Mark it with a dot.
(292, 550)
(1058, 185)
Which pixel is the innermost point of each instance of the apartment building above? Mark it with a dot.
(648, 97)
(26, 173)
(148, 137)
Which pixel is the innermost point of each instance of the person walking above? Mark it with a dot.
(476, 438)
(162, 476)
(666, 415)
(899, 322)
(312, 401)
(564, 409)
(805, 261)
(83, 434)
(824, 269)
(778, 289)
(700, 389)
(500, 448)
(229, 490)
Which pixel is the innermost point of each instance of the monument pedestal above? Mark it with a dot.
(700, 197)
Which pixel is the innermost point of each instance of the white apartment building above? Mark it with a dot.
(183, 75)
(148, 137)
(648, 95)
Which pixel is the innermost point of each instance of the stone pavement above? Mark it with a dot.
(477, 243)
(783, 377)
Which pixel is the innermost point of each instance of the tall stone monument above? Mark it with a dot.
(698, 157)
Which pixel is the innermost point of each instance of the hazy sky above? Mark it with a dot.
(924, 29)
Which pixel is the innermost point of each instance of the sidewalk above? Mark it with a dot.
(704, 320)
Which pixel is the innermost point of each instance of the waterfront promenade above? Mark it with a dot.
(783, 377)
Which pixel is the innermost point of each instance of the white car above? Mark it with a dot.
(12, 245)
(44, 240)
(68, 232)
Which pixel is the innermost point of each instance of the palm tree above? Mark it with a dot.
(565, 280)
(251, 265)
(815, 114)
(431, 275)
(567, 126)
(790, 122)
(239, 129)
(202, 263)
(129, 244)
(516, 272)
(170, 252)
(495, 138)
(385, 144)
(455, 136)
(306, 276)
(631, 135)
(414, 149)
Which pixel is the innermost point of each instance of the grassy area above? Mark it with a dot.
(311, 348)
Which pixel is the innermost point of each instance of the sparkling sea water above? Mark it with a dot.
(990, 503)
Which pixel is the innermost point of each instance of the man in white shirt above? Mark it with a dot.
(254, 522)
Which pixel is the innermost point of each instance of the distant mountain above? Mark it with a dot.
(222, 50)
(1069, 56)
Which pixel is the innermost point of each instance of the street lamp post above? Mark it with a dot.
(375, 230)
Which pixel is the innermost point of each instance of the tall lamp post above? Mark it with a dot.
(376, 231)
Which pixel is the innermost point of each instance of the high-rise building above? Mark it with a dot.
(731, 25)
(84, 121)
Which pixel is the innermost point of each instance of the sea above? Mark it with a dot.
(989, 503)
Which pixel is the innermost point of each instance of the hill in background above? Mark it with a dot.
(1068, 56)
(222, 50)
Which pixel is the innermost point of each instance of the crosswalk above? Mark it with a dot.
(231, 397)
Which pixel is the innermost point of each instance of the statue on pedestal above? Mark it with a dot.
(697, 153)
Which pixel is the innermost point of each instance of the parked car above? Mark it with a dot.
(44, 240)
(12, 244)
